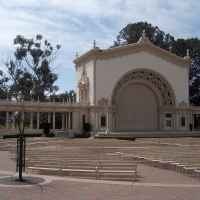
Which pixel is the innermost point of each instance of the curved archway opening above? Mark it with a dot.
(137, 108)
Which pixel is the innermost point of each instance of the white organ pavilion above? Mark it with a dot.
(147, 88)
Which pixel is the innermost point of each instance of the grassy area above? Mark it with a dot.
(167, 135)
(129, 137)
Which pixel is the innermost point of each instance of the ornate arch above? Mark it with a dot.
(155, 81)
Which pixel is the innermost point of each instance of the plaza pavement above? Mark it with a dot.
(151, 184)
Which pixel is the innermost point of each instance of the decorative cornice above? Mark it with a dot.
(85, 61)
(131, 49)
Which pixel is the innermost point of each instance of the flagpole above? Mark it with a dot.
(107, 125)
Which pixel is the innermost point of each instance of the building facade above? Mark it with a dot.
(147, 88)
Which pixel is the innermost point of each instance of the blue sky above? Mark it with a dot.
(76, 23)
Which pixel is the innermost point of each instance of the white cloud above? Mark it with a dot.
(75, 24)
(2, 68)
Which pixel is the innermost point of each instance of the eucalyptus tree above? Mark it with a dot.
(66, 96)
(31, 75)
(132, 33)
(31, 69)
(3, 86)
(179, 48)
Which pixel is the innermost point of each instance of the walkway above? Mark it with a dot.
(152, 184)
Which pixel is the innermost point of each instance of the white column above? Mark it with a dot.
(86, 96)
(188, 121)
(159, 120)
(66, 122)
(38, 120)
(69, 120)
(13, 120)
(92, 119)
(6, 120)
(22, 121)
(78, 120)
(177, 121)
(107, 121)
(193, 121)
(63, 121)
(110, 119)
(53, 120)
(163, 121)
(83, 96)
(96, 120)
(31, 121)
(172, 121)
(113, 121)
(74, 121)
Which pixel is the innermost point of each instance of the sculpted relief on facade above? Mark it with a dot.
(182, 104)
(165, 90)
(83, 85)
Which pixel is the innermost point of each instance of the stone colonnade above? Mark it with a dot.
(70, 112)
(73, 114)
(179, 119)
(66, 120)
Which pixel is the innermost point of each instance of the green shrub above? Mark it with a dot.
(115, 137)
(33, 135)
(10, 136)
(46, 127)
(50, 135)
(86, 127)
(25, 135)
(85, 135)
(145, 136)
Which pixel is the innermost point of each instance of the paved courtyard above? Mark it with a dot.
(151, 184)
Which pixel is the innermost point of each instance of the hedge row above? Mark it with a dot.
(144, 136)
(25, 135)
(115, 137)
(85, 135)
(50, 135)
(29, 135)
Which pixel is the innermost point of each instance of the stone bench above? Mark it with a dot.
(98, 169)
